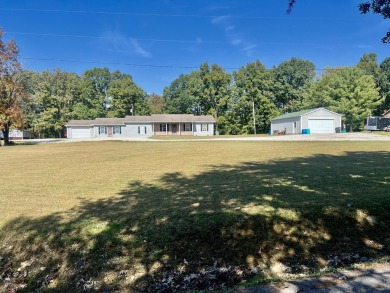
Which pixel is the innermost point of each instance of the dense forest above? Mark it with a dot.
(56, 96)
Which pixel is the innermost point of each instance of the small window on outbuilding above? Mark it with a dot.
(205, 127)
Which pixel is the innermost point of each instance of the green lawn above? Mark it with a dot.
(118, 215)
(192, 137)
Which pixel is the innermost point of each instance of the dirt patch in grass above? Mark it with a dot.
(122, 216)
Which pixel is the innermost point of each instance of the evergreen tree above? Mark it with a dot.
(348, 91)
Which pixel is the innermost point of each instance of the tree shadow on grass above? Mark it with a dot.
(210, 230)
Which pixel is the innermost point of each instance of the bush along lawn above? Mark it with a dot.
(187, 221)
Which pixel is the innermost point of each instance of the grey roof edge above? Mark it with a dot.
(141, 119)
(154, 118)
(322, 108)
(304, 114)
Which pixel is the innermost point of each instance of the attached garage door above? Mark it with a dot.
(81, 132)
(321, 125)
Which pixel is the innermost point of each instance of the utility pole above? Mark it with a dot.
(254, 118)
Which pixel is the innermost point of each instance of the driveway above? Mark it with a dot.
(354, 136)
(374, 278)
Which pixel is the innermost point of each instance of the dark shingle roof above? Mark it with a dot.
(109, 121)
(170, 118)
(154, 118)
(80, 123)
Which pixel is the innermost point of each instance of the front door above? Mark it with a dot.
(174, 128)
(109, 131)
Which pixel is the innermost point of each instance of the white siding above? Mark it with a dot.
(131, 130)
(325, 116)
(322, 121)
(287, 125)
(202, 132)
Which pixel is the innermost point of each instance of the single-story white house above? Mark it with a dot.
(142, 126)
(318, 120)
(18, 134)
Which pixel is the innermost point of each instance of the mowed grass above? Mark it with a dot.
(120, 214)
(201, 137)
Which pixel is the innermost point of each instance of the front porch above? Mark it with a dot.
(173, 128)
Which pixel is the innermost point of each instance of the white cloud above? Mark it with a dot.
(214, 8)
(219, 19)
(234, 35)
(138, 49)
(361, 46)
(236, 41)
(120, 43)
(196, 45)
(230, 28)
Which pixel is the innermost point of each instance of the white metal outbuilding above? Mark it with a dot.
(318, 120)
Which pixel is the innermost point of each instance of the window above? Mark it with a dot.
(187, 127)
(117, 130)
(163, 127)
(102, 129)
(205, 127)
(141, 129)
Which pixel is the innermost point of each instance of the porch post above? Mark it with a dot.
(166, 128)
(179, 129)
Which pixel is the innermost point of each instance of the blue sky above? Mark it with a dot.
(181, 34)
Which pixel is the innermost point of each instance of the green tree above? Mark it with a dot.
(183, 94)
(369, 64)
(124, 97)
(55, 96)
(215, 92)
(348, 91)
(292, 79)
(253, 88)
(30, 106)
(93, 99)
(384, 85)
(156, 104)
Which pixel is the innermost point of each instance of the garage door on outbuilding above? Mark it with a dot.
(321, 125)
(318, 120)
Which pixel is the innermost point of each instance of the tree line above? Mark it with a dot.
(233, 99)
(43, 102)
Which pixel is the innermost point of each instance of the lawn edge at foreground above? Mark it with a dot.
(275, 279)
(154, 217)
